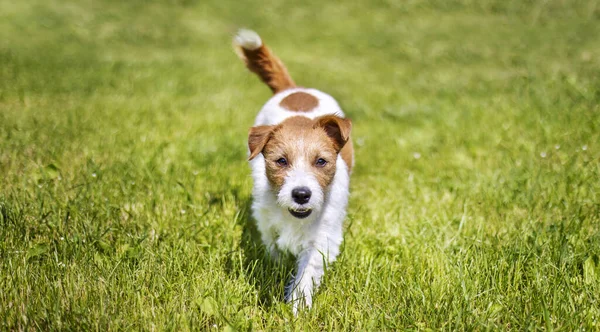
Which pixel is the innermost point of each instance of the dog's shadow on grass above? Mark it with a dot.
(268, 275)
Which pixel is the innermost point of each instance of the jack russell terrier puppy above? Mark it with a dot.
(301, 157)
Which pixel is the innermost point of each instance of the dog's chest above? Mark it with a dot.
(291, 240)
(289, 235)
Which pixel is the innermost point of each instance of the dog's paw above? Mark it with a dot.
(300, 296)
(248, 39)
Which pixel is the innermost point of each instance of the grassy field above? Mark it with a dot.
(125, 193)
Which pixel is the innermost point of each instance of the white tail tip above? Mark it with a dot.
(248, 39)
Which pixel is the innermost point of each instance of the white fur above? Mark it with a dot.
(298, 177)
(272, 113)
(315, 240)
(248, 39)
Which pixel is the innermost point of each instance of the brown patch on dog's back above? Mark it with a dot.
(299, 102)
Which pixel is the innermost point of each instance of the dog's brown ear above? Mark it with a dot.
(338, 129)
(257, 138)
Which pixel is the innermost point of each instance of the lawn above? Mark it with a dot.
(125, 191)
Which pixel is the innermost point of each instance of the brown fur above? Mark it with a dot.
(347, 154)
(300, 139)
(299, 102)
(338, 129)
(268, 67)
(257, 138)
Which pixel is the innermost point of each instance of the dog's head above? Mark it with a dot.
(300, 159)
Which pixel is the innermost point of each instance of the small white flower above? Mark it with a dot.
(584, 147)
(416, 155)
(62, 238)
(557, 146)
(182, 211)
(543, 154)
(94, 175)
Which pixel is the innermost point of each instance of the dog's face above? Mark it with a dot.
(300, 158)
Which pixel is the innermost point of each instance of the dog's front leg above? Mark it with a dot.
(312, 263)
(311, 266)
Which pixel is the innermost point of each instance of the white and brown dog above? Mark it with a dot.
(301, 157)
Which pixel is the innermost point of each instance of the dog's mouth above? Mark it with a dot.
(300, 213)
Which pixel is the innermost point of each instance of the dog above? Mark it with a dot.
(301, 156)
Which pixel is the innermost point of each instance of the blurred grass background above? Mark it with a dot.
(124, 189)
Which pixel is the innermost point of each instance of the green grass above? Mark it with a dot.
(124, 190)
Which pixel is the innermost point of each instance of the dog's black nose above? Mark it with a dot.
(301, 195)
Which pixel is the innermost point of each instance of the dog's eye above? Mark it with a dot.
(281, 162)
(321, 162)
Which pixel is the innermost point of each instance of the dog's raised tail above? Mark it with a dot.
(260, 60)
